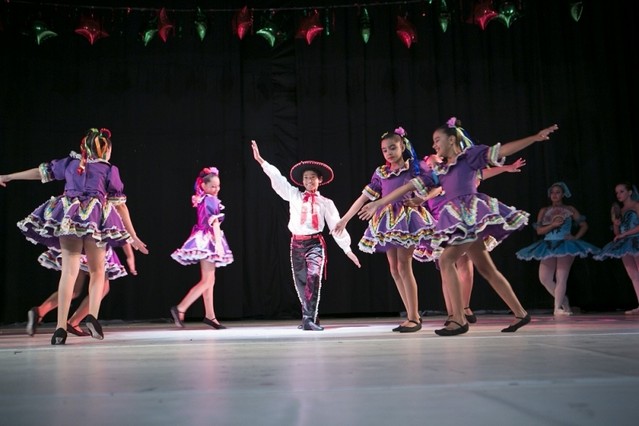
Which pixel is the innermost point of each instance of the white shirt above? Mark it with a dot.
(325, 208)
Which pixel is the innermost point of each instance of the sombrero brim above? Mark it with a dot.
(297, 171)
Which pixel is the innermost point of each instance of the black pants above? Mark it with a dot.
(308, 261)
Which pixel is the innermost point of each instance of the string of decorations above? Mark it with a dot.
(315, 20)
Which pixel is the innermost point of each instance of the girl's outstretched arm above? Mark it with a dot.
(515, 167)
(31, 174)
(137, 244)
(510, 148)
(357, 204)
(367, 211)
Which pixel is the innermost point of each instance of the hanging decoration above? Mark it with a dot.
(483, 13)
(329, 21)
(406, 31)
(165, 25)
(508, 13)
(150, 31)
(242, 22)
(200, 24)
(444, 16)
(364, 24)
(271, 30)
(310, 27)
(91, 29)
(42, 32)
(576, 10)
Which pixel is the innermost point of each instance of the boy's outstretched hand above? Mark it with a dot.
(256, 152)
(354, 258)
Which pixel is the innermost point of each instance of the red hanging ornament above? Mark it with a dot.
(91, 29)
(483, 13)
(242, 22)
(165, 25)
(406, 31)
(310, 27)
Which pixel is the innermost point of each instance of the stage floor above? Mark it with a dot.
(579, 370)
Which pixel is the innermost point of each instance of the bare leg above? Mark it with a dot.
(391, 256)
(564, 264)
(208, 274)
(83, 309)
(51, 302)
(448, 271)
(71, 249)
(466, 277)
(95, 261)
(206, 281)
(631, 263)
(408, 282)
(485, 266)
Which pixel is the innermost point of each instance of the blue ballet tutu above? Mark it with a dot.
(620, 248)
(545, 249)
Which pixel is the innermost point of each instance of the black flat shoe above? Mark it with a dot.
(399, 327)
(213, 323)
(175, 314)
(454, 332)
(310, 325)
(94, 327)
(59, 337)
(33, 319)
(516, 326)
(76, 330)
(416, 327)
(472, 318)
(447, 322)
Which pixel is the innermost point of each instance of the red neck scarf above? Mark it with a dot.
(314, 218)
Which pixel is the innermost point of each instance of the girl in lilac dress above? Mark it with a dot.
(557, 251)
(90, 215)
(394, 228)
(52, 259)
(468, 217)
(206, 245)
(625, 225)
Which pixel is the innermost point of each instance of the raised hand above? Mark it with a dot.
(256, 152)
(544, 135)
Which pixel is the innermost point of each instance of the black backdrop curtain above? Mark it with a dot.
(178, 106)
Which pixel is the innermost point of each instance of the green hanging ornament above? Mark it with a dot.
(365, 25)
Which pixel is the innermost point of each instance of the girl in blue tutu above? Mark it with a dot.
(90, 215)
(625, 225)
(395, 228)
(205, 246)
(557, 251)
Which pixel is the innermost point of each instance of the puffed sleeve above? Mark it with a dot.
(481, 156)
(54, 170)
(424, 183)
(115, 187)
(374, 189)
(214, 209)
(279, 182)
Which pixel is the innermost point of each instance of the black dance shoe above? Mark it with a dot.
(454, 332)
(310, 325)
(33, 319)
(416, 327)
(94, 327)
(76, 330)
(516, 326)
(472, 318)
(213, 323)
(175, 314)
(59, 337)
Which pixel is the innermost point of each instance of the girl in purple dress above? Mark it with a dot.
(52, 259)
(206, 245)
(90, 215)
(468, 217)
(394, 228)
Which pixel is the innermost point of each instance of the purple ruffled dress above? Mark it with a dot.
(86, 208)
(201, 243)
(394, 225)
(466, 214)
(52, 259)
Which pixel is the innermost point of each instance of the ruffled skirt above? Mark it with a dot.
(545, 249)
(63, 216)
(476, 216)
(52, 259)
(201, 246)
(620, 248)
(397, 225)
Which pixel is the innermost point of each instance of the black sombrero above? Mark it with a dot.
(297, 171)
